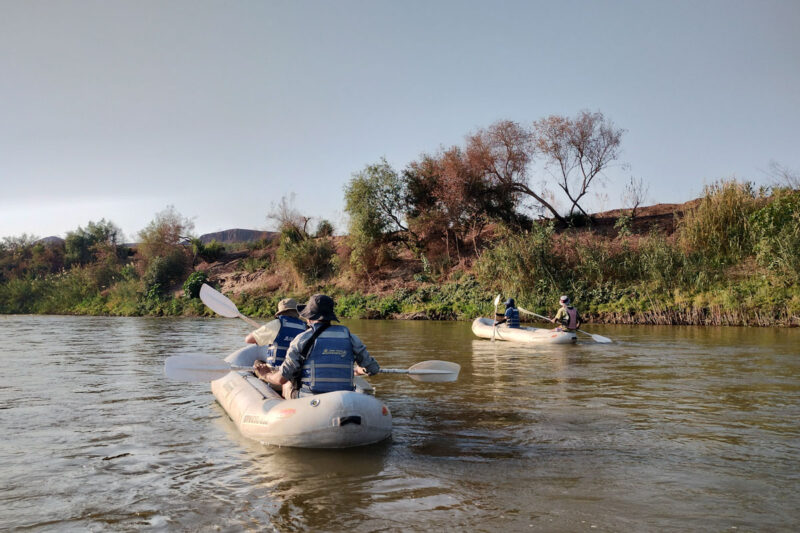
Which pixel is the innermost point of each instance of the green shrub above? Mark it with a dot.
(253, 264)
(162, 272)
(123, 298)
(776, 235)
(518, 261)
(623, 225)
(311, 259)
(718, 227)
(213, 251)
(192, 285)
(351, 305)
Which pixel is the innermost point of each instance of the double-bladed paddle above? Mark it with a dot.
(221, 305)
(203, 368)
(494, 325)
(596, 338)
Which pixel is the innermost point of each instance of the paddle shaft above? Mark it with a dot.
(494, 318)
(201, 367)
(596, 338)
(534, 314)
(250, 321)
(416, 372)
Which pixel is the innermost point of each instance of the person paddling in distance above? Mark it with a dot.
(510, 317)
(567, 316)
(277, 335)
(324, 358)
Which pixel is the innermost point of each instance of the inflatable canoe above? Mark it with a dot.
(483, 327)
(340, 419)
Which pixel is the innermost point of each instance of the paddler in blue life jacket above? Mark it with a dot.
(324, 358)
(510, 317)
(567, 316)
(277, 335)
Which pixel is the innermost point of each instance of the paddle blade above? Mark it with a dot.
(596, 338)
(197, 368)
(434, 371)
(600, 339)
(496, 300)
(218, 302)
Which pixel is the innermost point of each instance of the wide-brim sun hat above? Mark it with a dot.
(287, 304)
(564, 299)
(319, 307)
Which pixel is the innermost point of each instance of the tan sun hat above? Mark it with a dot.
(287, 304)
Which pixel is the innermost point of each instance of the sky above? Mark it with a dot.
(117, 110)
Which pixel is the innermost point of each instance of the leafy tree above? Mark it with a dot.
(164, 257)
(83, 246)
(503, 153)
(26, 257)
(324, 229)
(375, 200)
(448, 195)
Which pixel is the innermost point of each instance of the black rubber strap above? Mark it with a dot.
(307, 347)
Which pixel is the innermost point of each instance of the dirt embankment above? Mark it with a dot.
(231, 275)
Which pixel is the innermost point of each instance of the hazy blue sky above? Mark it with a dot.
(116, 109)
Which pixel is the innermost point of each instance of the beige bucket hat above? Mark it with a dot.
(287, 304)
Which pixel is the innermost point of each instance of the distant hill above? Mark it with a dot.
(230, 236)
(51, 240)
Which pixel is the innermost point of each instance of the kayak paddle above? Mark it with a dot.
(198, 368)
(220, 304)
(596, 338)
(494, 326)
(201, 368)
(429, 371)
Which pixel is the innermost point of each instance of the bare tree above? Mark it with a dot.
(289, 218)
(783, 176)
(580, 149)
(634, 195)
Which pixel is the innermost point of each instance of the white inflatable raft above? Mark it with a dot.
(338, 419)
(483, 327)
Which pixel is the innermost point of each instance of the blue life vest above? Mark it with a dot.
(512, 317)
(290, 328)
(329, 365)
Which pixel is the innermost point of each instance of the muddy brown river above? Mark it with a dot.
(666, 429)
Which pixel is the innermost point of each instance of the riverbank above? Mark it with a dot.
(730, 258)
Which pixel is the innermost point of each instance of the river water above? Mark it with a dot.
(666, 429)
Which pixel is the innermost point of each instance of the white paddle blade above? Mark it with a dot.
(496, 300)
(197, 368)
(218, 302)
(434, 371)
(600, 338)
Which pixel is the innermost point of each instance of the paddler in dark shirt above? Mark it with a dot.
(323, 358)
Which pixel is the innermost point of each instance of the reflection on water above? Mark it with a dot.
(665, 429)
